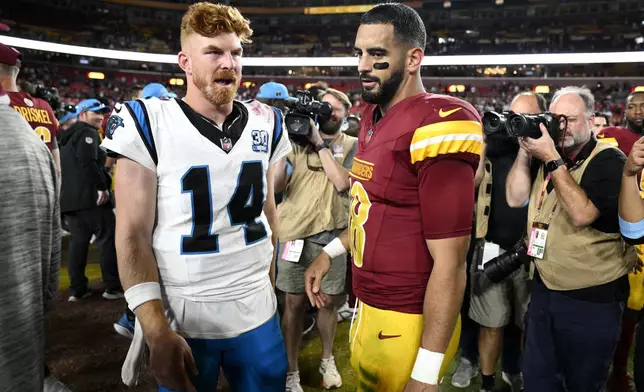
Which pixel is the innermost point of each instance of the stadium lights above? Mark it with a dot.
(345, 61)
(96, 75)
(541, 89)
(456, 88)
(176, 82)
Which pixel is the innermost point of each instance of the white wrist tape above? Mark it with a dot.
(427, 367)
(335, 248)
(141, 293)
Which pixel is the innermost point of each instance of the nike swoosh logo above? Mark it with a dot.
(383, 337)
(443, 114)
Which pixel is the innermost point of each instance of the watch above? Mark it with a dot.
(554, 165)
(319, 146)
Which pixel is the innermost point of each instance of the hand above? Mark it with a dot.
(314, 134)
(637, 268)
(417, 386)
(171, 360)
(313, 277)
(103, 197)
(635, 161)
(542, 148)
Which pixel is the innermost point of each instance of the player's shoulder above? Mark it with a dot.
(440, 108)
(260, 110)
(612, 132)
(446, 126)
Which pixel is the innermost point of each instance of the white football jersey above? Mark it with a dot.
(212, 241)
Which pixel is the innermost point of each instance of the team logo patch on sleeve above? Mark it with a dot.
(260, 141)
(113, 123)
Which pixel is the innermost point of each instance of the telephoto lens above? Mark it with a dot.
(501, 267)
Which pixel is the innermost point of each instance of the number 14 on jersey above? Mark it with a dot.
(244, 207)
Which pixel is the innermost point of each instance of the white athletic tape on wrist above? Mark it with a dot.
(335, 248)
(141, 293)
(427, 367)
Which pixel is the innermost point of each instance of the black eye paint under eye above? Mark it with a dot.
(381, 66)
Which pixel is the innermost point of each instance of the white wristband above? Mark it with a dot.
(335, 248)
(427, 367)
(141, 293)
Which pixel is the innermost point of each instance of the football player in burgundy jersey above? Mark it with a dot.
(412, 193)
(624, 138)
(37, 112)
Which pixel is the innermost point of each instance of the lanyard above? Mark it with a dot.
(542, 197)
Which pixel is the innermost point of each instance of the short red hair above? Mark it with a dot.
(210, 20)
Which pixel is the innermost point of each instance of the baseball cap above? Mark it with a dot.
(156, 90)
(272, 90)
(91, 105)
(10, 56)
(69, 114)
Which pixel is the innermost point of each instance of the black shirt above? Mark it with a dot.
(506, 225)
(601, 182)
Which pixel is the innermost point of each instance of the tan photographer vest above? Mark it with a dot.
(484, 201)
(576, 258)
(311, 203)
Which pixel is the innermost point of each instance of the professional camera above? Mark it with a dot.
(502, 266)
(302, 108)
(50, 95)
(515, 125)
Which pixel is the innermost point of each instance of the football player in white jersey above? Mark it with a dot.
(195, 214)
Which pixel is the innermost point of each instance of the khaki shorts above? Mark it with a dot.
(290, 276)
(494, 305)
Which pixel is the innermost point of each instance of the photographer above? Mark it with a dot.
(580, 286)
(314, 212)
(495, 306)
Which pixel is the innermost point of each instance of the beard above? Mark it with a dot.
(215, 94)
(385, 90)
(632, 125)
(331, 126)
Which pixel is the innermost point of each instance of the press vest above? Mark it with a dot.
(311, 203)
(575, 258)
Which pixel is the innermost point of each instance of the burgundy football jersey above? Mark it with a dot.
(38, 114)
(397, 202)
(619, 137)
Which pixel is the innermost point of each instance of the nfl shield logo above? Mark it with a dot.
(226, 144)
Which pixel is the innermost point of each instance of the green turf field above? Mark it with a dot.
(310, 357)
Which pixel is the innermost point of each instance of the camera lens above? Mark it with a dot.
(492, 123)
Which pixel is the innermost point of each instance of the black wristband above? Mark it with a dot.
(319, 146)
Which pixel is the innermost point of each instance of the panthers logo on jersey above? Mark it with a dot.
(113, 123)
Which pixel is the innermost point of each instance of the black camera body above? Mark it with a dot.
(50, 95)
(514, 125)
(499, 268)
(302, 108)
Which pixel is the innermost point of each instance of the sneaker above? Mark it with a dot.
(124, 327)
(113, 294)
(330, 375)
(309, 326)
(52, 384)
(465, 372)
(77, 298)
(620, 382)
(515, 381)
(345, 312)
(293, 382)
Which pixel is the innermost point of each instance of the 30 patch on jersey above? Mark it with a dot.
(260, 141)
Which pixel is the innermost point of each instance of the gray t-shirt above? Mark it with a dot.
(29, 251)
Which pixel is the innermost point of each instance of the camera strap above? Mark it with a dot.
(539, 230)
(542, 198)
